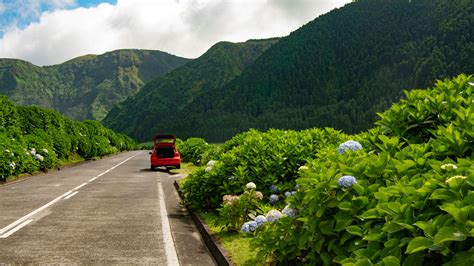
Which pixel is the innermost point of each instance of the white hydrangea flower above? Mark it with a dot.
(211, 163)
(251, 185)
(45, 151)
(39, 157)
(33, 151)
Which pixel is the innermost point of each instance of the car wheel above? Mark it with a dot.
(152, 168)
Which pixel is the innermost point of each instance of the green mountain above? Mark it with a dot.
(86, 87)
(336, 71)
(142, 115)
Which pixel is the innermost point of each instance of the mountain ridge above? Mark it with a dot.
(85, 87)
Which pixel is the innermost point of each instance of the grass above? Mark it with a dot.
(186, 168)
(236, 244)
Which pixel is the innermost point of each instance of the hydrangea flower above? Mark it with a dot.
(33, 151)
(230, 199)
(252, 225)
(347, 181)
(273, 198)
(460, 177)
(293, 193)
(251, 185)
(273, 189)
(287, 194)
(449, 166)
(273, 215)
(260, 220)
(296, 187)
(249, 226)
(303, 168)
(12, 165)
(211, 163)
(290, 212)
(349, 145)
(45, 151)
(245, 228)
(208, 169)
(258, 195)
(39, 157)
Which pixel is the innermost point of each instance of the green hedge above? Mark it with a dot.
(33, 138)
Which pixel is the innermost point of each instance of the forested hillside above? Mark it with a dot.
(86, 87)
(145, 114)
(336, 71)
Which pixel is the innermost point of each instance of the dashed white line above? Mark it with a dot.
(11, 232)
(71, 195)
(170, 250)
(18, 224)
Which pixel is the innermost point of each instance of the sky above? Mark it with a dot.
(47, 32)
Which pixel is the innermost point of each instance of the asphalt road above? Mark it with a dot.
(110, 211)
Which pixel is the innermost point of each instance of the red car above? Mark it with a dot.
(165, 152)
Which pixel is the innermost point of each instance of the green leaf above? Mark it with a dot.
(391, 243)
(327, 227)
(449, 233)
(355, 230)
(426, 227)
(391, 261)
(345, 205)
(359, 189)
(370, 214)
(457, 213)
(443, 194)
(392, 227)
(418, 244)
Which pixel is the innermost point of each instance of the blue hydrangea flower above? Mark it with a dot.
(260, 220)
(273, 198)
(273, 189)
(290, 212)
(349, 145)
(252, 225)
(347, 181)
(249, 226)
(287, 194)
(273, 215)
(245, 228)
(296, 187)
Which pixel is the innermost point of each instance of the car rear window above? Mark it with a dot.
(165, 152)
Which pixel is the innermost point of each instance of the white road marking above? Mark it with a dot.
(22, 220)
(81, 185)
(171, 255)
(11, 232)
(71, 195)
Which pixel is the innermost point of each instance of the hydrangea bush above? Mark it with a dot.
(406, 198)
(33, 139)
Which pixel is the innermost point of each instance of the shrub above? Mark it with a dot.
(412, 202)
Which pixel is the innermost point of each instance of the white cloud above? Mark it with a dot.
(186, 28)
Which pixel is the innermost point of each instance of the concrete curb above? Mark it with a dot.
(216, 250)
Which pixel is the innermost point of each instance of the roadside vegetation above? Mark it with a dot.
(36, 139)
(400, 193)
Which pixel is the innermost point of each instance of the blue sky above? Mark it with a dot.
(47, 32)
(21, 13)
